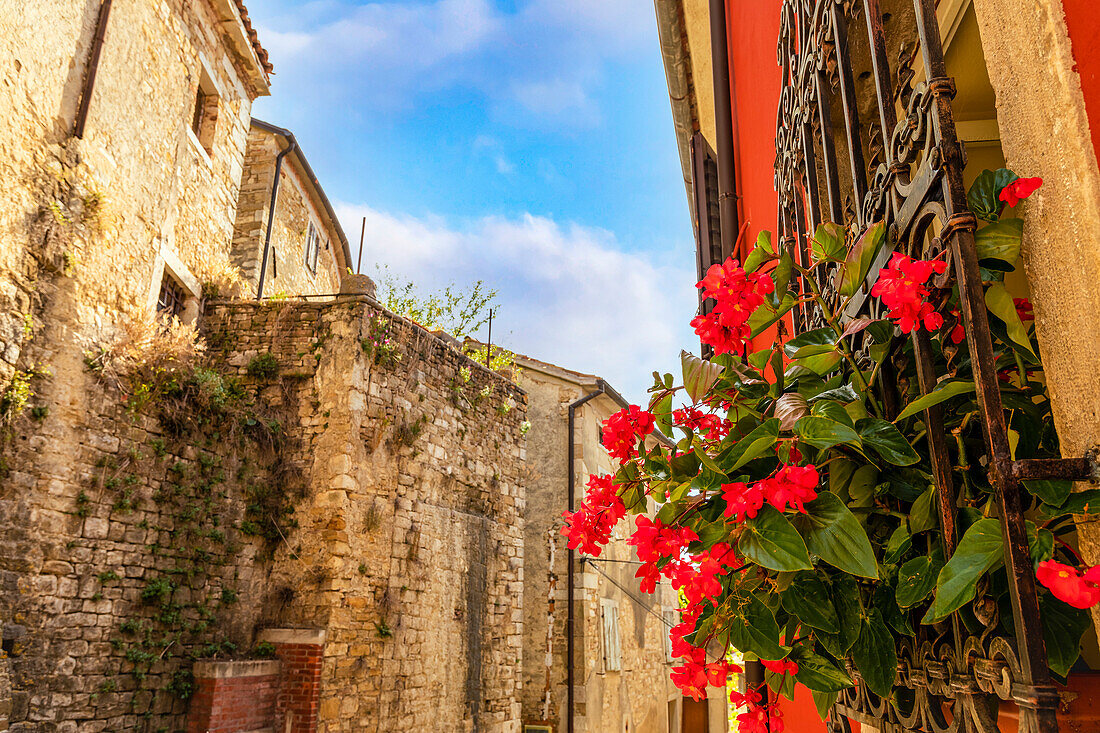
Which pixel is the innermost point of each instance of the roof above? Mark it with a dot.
(676, 55)
(311, 178)
(261, 52)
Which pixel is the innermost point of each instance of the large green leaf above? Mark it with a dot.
(817, 672)
(824, 702)
(761, 253)
(851, 274)
(766, 315)
(828, 242)
(1081, 502)
(983, 196)
(662, 413)
(824, 432)
(885, 601)
(807, 597)
(979, 551)
(699, 375)
(754, 630)
(886, 440)
(770, 541)
(820, 363)
(849, 609)
(1052, 491)
(1063, 627)
(752, 445)
(998, 245)
(781, 276)
(874, 654)
(942, 393)
(999, 302)
(916, 579)
(789, 409)
(811, 343)
(834, 534)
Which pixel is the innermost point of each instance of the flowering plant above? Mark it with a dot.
(794, 508)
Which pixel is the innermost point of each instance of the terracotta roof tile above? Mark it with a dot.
(261, 52)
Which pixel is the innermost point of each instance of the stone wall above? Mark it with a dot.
(374, 497)
(296, 208)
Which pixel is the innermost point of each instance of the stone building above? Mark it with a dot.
(307, 248)
(622, 654)
(327, 483)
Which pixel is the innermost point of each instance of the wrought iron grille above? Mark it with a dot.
(865, 133)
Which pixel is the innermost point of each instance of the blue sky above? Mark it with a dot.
(526, 143)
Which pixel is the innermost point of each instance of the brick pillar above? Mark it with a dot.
(233, 696)
(301, 652)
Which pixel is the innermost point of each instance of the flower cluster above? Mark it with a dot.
(589, 528)
(696, 674)
(709, 424)
(1070, 585)
(737, 294)
(757, 718)
(1019, 189)
(622, 430)
(790, 488)
(902, 287)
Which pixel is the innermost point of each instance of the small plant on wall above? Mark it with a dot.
(378, 345)
(797, 514)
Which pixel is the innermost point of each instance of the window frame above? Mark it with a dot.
(313, 247)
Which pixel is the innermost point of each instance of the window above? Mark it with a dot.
(313, 247)
(204, 115)
(612, 648)
(171, 300)
(669, 618)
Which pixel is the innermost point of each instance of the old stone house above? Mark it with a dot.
(315, 524)
(307, 248)
(621, 657)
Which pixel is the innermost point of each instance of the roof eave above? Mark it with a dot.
(677, 60)
(237, 30)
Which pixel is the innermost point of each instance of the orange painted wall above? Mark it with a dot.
(1083, 23)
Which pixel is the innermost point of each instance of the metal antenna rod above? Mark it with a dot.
(489, 346)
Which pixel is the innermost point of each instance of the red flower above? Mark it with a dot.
(760, 719)
(742, 501)
(737, 294)
(712, 426)
(696, 674)
(622, 430)
(902, 287)
(590, 526)
(781, 666)
(655, 540)
(1068, 585)
(790, 488)
(1023, 309)
(1019, 189)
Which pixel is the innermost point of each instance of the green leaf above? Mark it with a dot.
(834, 534)
(817, 672)
(781, 276)
(1081, 502)
(760, 254)
(843, 393)
(1063, 627)
(849, 609)
(1052, 491)
(766, 315)
(874, 654)
(885, 439)
(828, 242)
(898, 544)
(999, 302)
(807, 597)
(811, 343)
(943, 392)
(821, 363)
(982, 198)
(825, 432)
(925, 512)
(916, 580)
(753, 445)
(979, 551)
(755, 631)
(853, 272)
(884, 600)
(769, 540)
(998, 245)
(700, 452)
(699, 375)
(662, 413)
(823, 701)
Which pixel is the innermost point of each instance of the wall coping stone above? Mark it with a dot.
(316, 637)
(220, 669)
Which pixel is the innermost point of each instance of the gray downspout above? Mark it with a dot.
(292, 145)
(570, 621)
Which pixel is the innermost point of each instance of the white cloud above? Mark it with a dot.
(569, 294)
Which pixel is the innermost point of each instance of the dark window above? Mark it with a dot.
(200, 107)
(171, 298)
(204, 116)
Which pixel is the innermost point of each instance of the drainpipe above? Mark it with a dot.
(570, 620)
(292, 145)
(723, 120)
(93, 68)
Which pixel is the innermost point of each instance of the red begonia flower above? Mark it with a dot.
(1024, 309)
(590, 526)
(902, 287)
(737, 294)
(1067, 584)
(622, 430)
(781, 666)
(1019, 189)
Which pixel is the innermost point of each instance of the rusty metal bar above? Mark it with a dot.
(851, 108)
(1073, 469)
